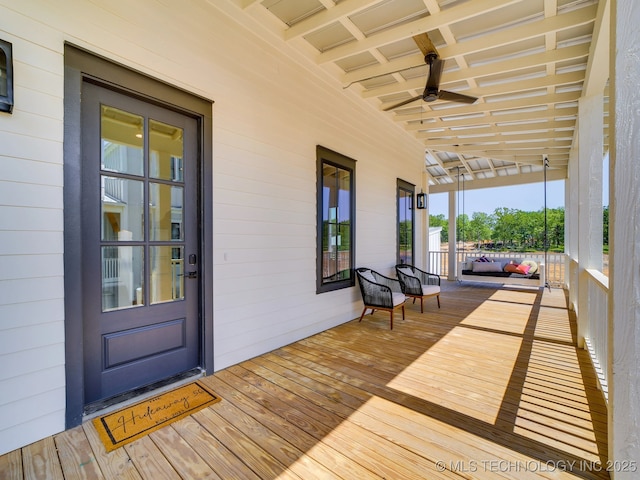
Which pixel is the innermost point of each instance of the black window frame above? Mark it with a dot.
(329, 157)
(404, 186)
(6, 100)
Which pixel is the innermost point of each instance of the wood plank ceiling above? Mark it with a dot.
(527, 61)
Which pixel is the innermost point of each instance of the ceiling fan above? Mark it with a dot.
(432, 90)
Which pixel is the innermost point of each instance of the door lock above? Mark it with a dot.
(191, 274)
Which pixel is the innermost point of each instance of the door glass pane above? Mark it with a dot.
(165, 212)
(122, 209)
(166, 151)
(167, 273)
(122, 141)
(122, 277)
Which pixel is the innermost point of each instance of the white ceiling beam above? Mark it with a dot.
(491, 120)
(598, 65)
(244, 4)
(493, 106)
(508, 129)
(493, 69)
(327, 17)
(434, 140)
(503, 37)
(521, 85)
(408, 30)
(503, 181)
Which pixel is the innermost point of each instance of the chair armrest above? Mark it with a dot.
(410, 285)
(375, 294)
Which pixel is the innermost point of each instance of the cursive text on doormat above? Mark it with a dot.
(132, 422)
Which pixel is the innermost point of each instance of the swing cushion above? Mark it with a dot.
(487, 266)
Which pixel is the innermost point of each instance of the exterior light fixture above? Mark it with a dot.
(6, 77)
(421, 200)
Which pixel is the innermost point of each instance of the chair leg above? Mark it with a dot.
(421, 304)
(391, 320)
(403, 312)
(365, 309)
(438, 297)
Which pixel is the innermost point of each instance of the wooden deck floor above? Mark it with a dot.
(489, 386)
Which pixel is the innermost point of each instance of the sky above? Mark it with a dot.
(528, 197)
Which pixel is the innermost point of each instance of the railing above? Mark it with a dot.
(596, 336)
(554, 266)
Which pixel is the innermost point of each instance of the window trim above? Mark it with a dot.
(326, 156)
(6, 100)
(410, 188)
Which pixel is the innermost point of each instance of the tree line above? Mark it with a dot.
(513, 229)
(507, 228)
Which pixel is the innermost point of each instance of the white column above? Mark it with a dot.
(452, 237)
(624, 242)
(590, 154)
(571, 227)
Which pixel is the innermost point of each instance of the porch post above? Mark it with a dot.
(590, 155)
(624, 243)
(453, 246)
(572, 188)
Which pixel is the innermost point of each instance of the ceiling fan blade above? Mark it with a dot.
(456, 97)
(425, 44)
(406, 102)
(435, 72)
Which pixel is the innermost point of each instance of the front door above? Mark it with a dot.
(140, 257)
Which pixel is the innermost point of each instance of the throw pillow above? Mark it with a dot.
(487, 267)
(368, 275)
(407, 271)
(532, 264)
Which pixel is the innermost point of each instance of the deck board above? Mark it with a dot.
(488, 386)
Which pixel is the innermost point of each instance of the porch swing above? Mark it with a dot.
(498, 269)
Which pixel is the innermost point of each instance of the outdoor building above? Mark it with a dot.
(187, 185)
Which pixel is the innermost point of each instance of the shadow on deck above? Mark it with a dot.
(489, 386)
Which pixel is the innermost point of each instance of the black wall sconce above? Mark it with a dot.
(6, 77)
(421, 200)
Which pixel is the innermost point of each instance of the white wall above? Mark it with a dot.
(269, 115)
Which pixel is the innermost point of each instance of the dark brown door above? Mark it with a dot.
(140, 258)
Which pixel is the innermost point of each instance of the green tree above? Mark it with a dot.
(605, 225)
(440, 221)
(555, 227)
(480, 227)
(505, 227)
(462, 228)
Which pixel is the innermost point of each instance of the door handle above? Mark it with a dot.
(191, 274)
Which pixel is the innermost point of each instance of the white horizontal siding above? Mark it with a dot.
(269, 115)
(31, 236)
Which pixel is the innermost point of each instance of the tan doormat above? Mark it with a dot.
(124, 426)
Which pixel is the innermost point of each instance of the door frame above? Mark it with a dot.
(82, 66)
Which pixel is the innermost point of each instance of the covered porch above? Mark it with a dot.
(489, 386)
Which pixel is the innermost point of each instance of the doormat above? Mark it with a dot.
(130, 423)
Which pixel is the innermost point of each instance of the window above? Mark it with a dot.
(6, 77)
(336, 221)
(405, 222)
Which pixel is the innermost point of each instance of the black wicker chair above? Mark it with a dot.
(380, 293)
(416, 283)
